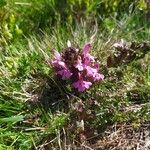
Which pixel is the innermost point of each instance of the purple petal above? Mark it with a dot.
(58, 64)
(81, 85)
(87, 84)
(65, 73)
(57, 55)
(98, 77)
(86, 49)
(62, 64)
(96, 66)
(79, 67)
(86, 61)
(76, 84)
(79, 64)
(90, 71)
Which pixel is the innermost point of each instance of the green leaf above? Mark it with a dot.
(142, 5)
(12, 119)
(2, 3)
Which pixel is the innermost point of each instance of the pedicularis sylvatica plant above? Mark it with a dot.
(77, 66)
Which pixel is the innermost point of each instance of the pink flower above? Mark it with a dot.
(86, 49)
(58, 64)
(96, 66)
(79, 67)
(65, 73)
(60, 67)
(57, 55)
(98, 77)
(90, 71)
(93, 72)
(79, 64)
(57, 61)
(82, 85)
(86, 56)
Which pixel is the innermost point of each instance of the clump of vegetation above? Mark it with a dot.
(78, 66)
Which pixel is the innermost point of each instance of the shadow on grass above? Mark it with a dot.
(50, 95)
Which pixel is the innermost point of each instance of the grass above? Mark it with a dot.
(37, 112)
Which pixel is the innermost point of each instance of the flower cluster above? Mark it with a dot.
(78, 66)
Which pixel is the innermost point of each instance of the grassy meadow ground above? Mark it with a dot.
(38, 112)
